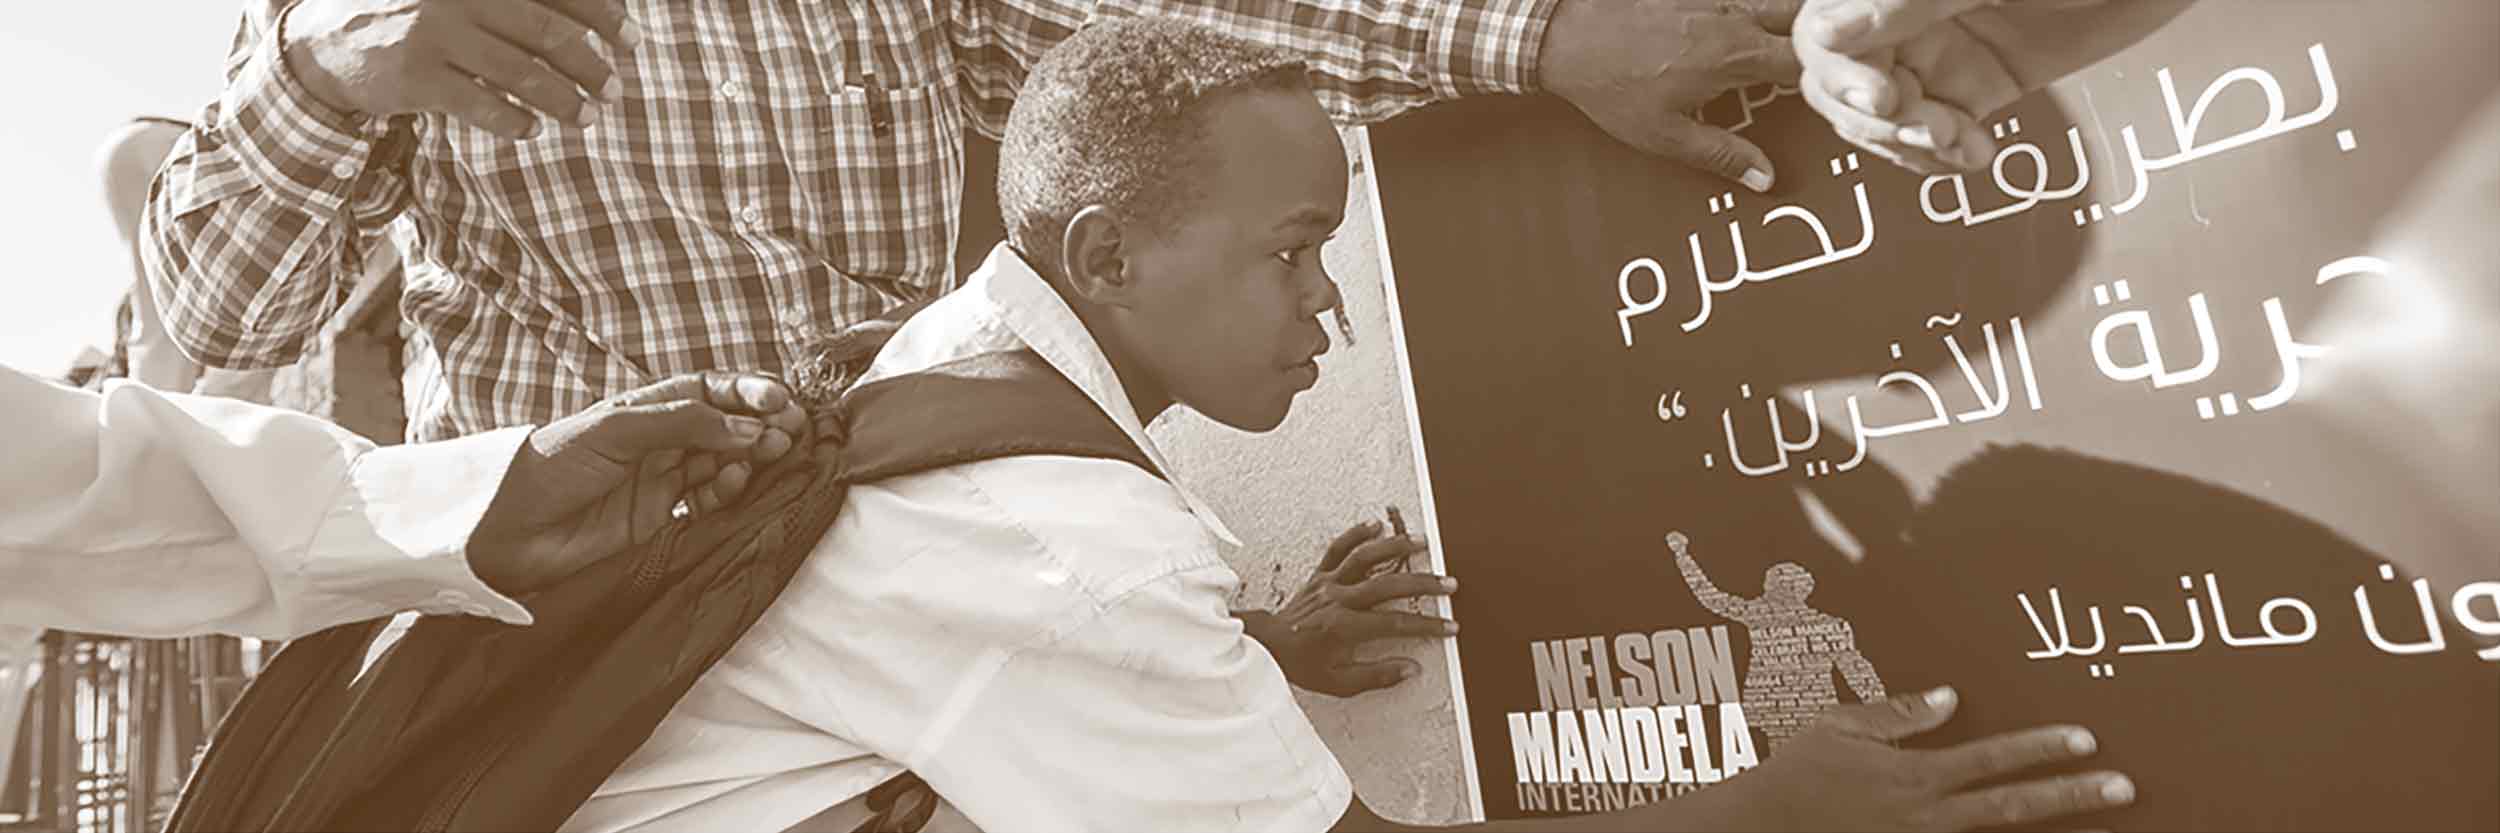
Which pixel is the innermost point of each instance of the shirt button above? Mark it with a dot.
(732, 89)
(343, 169)
(752, 215)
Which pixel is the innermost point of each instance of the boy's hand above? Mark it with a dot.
(1318, 632)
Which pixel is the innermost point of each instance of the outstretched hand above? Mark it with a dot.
(1317, 634)
(591, 485)
(1844, 773)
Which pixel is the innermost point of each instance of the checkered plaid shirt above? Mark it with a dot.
(773, 168)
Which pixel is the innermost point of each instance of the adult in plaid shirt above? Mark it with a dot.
(603, 193)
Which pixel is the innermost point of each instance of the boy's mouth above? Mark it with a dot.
(1305, 375)
(1309, 364)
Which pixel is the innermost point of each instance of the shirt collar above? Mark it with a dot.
(1006, 305)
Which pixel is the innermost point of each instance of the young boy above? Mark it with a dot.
(1045, 640)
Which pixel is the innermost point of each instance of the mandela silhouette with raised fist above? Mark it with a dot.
(1788, 677)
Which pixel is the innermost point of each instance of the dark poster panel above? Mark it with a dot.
(1926, 438)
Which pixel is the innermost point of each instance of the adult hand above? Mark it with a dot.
(1911, 80)
(591, 485)
(468, 59)
(1639, 68)
(1907, 80)
(1843, 773)
(1321, 627)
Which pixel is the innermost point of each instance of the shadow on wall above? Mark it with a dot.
(2283, 738)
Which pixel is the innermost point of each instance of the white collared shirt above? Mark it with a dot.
(1045, 640)
(149, 514)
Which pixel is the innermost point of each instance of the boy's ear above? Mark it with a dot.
(1094, 258)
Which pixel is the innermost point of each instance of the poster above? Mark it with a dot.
(1707, 462)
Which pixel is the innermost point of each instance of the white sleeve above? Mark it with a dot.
(1159, 714)
(149, 514)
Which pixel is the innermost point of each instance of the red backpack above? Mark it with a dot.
(471, 724)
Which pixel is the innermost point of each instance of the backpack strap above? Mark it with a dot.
(979, 408)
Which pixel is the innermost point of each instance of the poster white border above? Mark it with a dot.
(1423, 479)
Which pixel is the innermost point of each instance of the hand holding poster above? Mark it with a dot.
(2058, 432)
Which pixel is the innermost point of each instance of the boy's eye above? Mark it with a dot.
(1298, 255)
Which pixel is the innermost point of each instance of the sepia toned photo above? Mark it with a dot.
(1347, 415)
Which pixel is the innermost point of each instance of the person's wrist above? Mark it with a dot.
(1738, 805)
(297, 67)
(493, 565)
(1554, 70)
(495, 552)
(1257, 624)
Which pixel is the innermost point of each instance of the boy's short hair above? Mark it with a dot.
(1109, 115)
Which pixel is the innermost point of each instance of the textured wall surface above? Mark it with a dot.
(1343, 455)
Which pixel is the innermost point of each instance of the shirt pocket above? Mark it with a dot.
(897, 45)
(890, 178)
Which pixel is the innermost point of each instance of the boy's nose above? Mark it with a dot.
(1327, 297)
